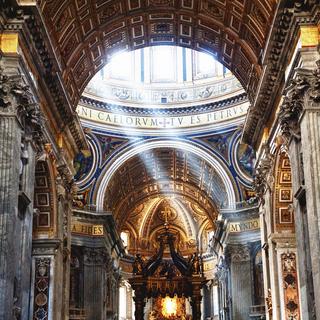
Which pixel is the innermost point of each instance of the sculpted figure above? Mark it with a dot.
(138, 265)
(196, 264)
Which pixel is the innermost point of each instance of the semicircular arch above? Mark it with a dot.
(136, 148)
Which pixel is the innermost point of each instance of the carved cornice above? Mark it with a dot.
(209, 107)
(271, 79)
(27, 22)
(53, 81)
(303, 91)
(11, 10)
(45, 246)
(286, 29)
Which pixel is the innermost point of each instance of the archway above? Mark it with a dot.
(136, 148)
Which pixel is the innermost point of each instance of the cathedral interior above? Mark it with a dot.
(159, 159)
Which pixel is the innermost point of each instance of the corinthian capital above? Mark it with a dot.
(292, 106)
(17, 99)
(14, 93)
(302, 92)
(94, 256)
(238, 253)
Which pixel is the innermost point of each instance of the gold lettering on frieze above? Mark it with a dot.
(87, 229)
(169, 122)
(208, 266)
(244, 226)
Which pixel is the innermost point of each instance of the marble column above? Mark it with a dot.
(10, 135)
(95, 260)
(310, 125)
(274, 280)
(299, 118)
(23, 233)
(302, 232)
(17, 113)
(265, 263)
(269, 258)
(240, 271)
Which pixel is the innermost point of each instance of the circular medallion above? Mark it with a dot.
(41, 299)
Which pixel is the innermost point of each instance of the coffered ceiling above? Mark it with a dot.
(86, 33)
(164, 172)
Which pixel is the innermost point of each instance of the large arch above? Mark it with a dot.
(86, 33)
(135, 149)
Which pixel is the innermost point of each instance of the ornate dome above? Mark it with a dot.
(162, 76)
(162, 90)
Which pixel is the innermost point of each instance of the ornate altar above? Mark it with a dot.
(169, 308)
(175, 277)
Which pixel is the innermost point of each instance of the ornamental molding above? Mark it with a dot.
(45, 247)
(286, 28)
(118, 108)
(52, 80)
(168, 95)
(15, 95)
